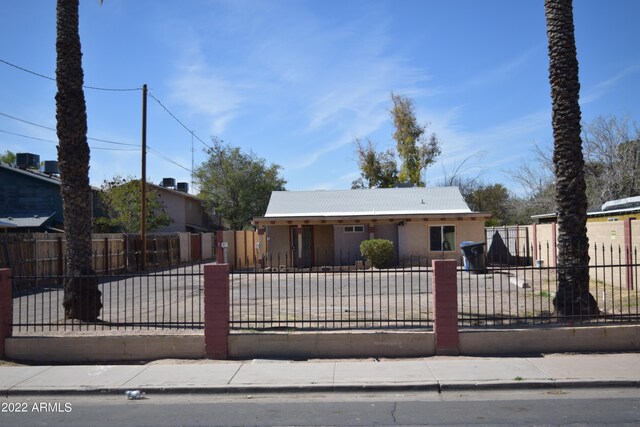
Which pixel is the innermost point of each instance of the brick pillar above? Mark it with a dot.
(6, 308)
(445, 306)
(216, 310)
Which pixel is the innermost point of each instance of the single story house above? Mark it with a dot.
(317, 228)
(611, 211)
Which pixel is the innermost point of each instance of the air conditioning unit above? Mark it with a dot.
(27, 161)
(51, 167)
(169, 182)
(183, 186)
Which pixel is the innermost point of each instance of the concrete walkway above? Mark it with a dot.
(434, 373)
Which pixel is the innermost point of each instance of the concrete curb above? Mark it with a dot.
(439, 387)
(537, 384)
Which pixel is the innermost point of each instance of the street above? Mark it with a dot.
(509, 407)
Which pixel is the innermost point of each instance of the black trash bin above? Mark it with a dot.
(473, 256)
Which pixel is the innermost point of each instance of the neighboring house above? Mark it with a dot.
(613, 210)
(30, 200)
(187, 211)
(317, 228)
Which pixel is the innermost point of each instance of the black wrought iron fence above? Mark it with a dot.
(274, 295)
(521, 296)
(353, 296)
(162, 298)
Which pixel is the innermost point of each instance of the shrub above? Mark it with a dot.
(379, 251)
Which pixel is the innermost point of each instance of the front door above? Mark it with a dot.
(301, 238)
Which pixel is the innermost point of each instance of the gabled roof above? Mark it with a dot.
(374, 201)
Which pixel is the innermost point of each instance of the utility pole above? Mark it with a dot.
(143, 204)
(192, 161)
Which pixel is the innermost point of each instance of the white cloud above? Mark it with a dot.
(601, 88)
(498, 73)
(205, 90)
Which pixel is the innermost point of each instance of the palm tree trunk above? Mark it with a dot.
(572, 297)
(82, 299)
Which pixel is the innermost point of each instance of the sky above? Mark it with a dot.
(296, 81)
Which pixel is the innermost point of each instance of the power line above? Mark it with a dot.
(26, 121)
(162, 156)
(54, 130)
(193, 135)
(29, 137)
(56, 142)
(53, 79)
(179, 121)
(157, 153)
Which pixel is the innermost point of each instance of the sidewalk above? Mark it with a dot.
(429, 374)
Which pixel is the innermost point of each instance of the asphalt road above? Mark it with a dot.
(539, 407)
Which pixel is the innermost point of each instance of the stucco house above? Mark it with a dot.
(187, 211)
(317, 228)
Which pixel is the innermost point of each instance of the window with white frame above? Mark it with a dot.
(442, 238)
(354, 228)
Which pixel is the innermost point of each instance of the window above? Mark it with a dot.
(354, 229)
(442, 238)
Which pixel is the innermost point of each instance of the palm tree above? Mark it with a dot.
(82, 299)
(572, 297)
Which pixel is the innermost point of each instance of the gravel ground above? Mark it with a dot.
(172, 302)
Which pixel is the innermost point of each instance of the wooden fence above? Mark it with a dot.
(41, 256)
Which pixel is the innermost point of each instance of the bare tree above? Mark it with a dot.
(612, 156)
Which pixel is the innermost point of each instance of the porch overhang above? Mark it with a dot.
(369, 219)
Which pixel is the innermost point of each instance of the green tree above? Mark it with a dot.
(237, 185)
(120, 198)
(572, 297)
(8, 158)
(493, 198)
(415, 151)
(82, 298)
(377, 169)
